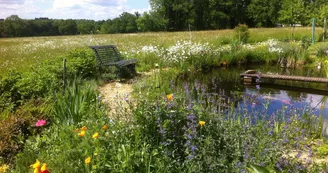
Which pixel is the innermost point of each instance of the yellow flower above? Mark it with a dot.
(169, 97)
(105, 127)
(44, 167)
(82, 133)
(37, 170)
(84, 128)
(36, 165)
(4, 168)
(87, 160)
(202, 123)
(95, 136)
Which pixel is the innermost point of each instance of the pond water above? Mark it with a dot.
(270, 96)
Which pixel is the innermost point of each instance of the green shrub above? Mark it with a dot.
(80, 63)
(241, 33)
(147, 61)
(45, 79)
(10, 96)
(322, 51)
(321, 149)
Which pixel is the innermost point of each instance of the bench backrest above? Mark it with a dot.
(106, 54)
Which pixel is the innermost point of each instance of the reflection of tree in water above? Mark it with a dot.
(294, 95)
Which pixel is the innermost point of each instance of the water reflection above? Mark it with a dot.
(270, 94)
(282, 99)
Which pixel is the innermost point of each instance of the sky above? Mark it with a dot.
(71, 9)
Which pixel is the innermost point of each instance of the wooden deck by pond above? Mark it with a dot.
(252, 76)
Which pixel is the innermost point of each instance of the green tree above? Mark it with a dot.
(67, 27)
(178, 13)
(292, 12)
(319, 10)
(16, 27)
(105, 27)
(151, 22)
(2, 29)
(264, 13)
(322, 14)
(42, 27)
(128, 23)
(86, 26)
(201, 14)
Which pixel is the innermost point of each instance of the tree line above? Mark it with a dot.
(178, 15)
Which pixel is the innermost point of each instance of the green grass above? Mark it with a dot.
(20, 53)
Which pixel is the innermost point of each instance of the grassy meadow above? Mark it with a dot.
(19, 53)
(53, 124)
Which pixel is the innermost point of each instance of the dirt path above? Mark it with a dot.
(116, 96)
(111, 91)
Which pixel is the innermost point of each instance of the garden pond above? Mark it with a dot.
(270, 95)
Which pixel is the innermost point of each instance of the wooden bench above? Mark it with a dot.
(108, 55)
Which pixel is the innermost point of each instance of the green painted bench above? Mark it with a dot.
(108, 55)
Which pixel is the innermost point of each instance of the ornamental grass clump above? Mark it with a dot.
(75, 104)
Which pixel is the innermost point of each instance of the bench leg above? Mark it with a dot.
(134, 69)
(126, 71)
(118, 72)
(99, 67)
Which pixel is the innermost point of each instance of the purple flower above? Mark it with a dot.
(172, 84)
(194, 148)
(245, 156)
(298, 167)
(259, 75)
(190, 157)
(298, 155)
(278, 166)
(162, 131)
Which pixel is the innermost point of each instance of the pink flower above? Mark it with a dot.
(286, 102)
(41, 123)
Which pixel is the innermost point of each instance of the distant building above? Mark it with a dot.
(42, 18)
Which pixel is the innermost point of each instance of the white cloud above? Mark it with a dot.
(9, 2)
(72, 3)
(90, 9)
(19, 7)
(66, 9)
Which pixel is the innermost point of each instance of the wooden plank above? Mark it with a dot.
(287, 77)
